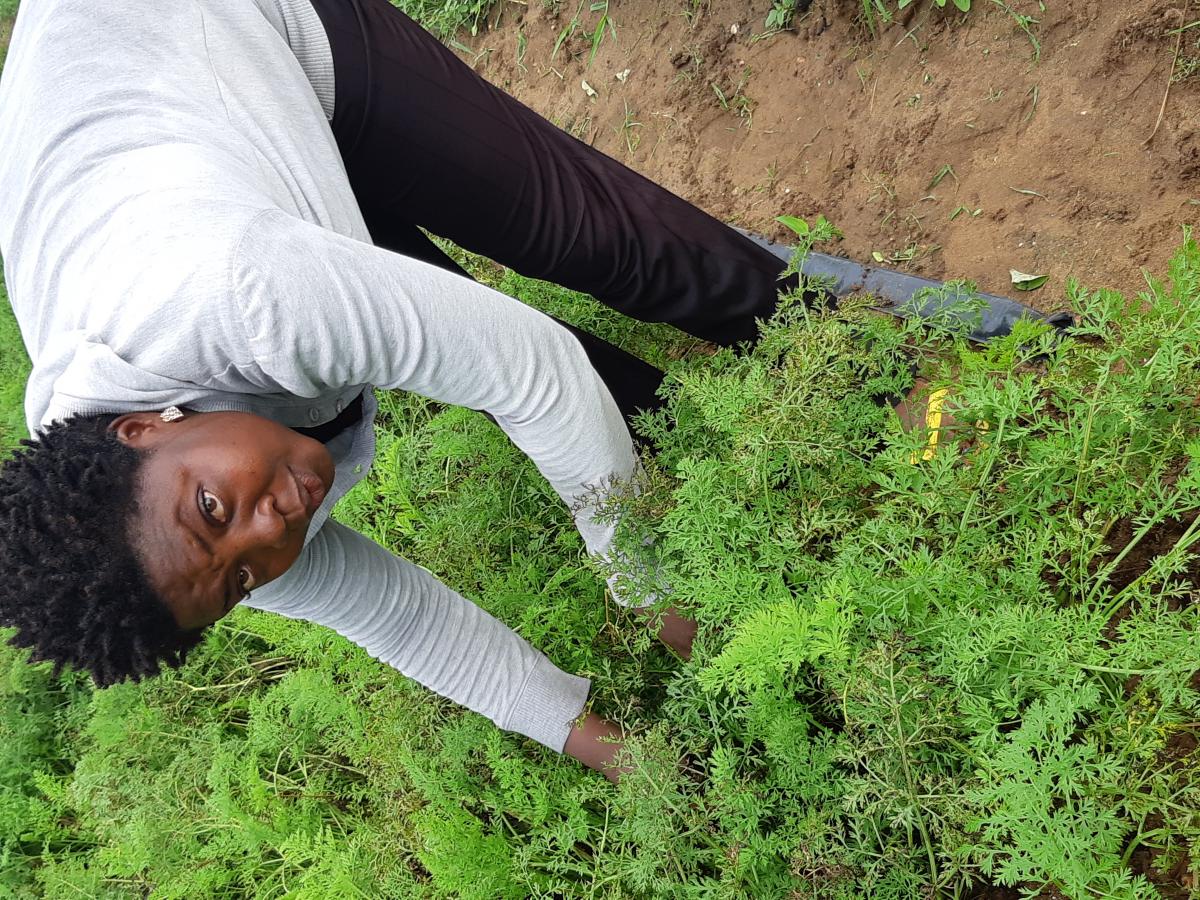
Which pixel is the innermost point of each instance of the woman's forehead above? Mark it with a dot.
(182, 565)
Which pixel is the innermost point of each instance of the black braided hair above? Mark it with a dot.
(70, 580)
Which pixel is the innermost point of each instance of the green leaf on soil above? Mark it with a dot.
(1023, 282)
(795, 223)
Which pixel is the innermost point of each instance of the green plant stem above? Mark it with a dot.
(983, 478)
(1184, 543)
(902, 748)
(1102, 576)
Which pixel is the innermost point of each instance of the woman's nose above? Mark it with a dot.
(267, 528)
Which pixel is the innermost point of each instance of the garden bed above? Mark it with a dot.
(978, 676)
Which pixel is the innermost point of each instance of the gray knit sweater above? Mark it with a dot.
(177, 228)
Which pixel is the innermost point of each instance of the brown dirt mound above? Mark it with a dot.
(1045, 166)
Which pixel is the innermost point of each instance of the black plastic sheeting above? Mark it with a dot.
(908, 295)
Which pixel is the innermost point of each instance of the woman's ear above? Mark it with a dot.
(140, 430)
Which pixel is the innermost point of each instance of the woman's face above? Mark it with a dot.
(225, 499)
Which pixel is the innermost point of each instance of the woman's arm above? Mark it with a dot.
(596, 743)
(323, 311)
(405, 617)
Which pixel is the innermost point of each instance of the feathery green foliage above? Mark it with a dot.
(908, 679)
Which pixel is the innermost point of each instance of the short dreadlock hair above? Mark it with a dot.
(70, 579)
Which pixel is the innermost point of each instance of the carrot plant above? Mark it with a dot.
(910, 680)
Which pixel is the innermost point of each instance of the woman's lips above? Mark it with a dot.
(312, 489)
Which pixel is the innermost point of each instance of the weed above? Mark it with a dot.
(940, 174)
(1033, 94)
(962, 5)
(14, 371)
(445, 17)
(771, 179)
(1187, 65)
(781, 15)
(604, 25)
(874, 13)
(567, 31)
(734, 100)
(1025, 23)
(1028, 192)
(882, 191)
(579, 127)
(627, 130)
(909, 679)
(690, 63)
(694, 10)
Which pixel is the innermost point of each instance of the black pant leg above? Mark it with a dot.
(631, 381)
(426, 140)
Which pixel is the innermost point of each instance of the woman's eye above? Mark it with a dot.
(246, 579)
(212, 507)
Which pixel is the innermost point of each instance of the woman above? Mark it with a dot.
(209, 217)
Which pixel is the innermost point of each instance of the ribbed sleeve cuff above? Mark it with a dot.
(308, 41)
(549, 704)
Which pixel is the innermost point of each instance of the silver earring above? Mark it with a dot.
(171, 414)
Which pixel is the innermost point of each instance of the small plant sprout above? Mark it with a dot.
(628, 130)
(940, 175)
(781, 15)
(1025, 23)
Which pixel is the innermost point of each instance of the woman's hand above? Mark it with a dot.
(675, 630)
(596, 742)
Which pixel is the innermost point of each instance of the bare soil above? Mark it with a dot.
(1048, 164)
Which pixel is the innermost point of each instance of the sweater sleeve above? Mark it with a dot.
(405, 617)
(323, 311)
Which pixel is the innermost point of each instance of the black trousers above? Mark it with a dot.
(427, 142)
